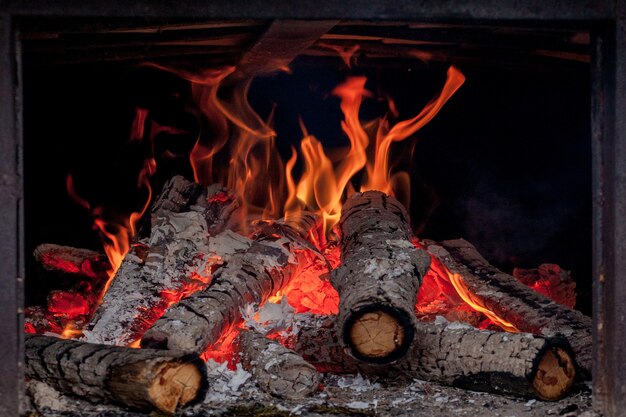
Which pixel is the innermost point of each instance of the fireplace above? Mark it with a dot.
(563, 20)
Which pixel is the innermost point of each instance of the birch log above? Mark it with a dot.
(453, 354)
(277, 370)
(380, 273)
(173, 261)
(143, 379)
(513, 301)
(252, 271)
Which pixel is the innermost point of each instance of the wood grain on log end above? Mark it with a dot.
(143, 379)
(555, 374)
(381, 271)
(378, 335)
(167, 385)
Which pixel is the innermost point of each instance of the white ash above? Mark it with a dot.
(224, 383)
(416, 399)
(179, 253)
(357, 383)
(270, 318)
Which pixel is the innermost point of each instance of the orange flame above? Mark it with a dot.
(378, 171)
(326, 182)
(117, 233)
(451, 285)
(459, 285)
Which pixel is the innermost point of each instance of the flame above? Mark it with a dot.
(379, 175)
(440, 281)
(71, 332)
(467, 296)
(326, 182)
(117, 232)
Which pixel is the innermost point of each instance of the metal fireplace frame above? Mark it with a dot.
(606, 20)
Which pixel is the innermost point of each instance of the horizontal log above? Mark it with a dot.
(513, 301)
(278, 370)
(70, 260)
(453, 354)
(252, 271)
(143, 379)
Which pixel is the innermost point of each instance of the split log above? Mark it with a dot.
(513, 301)
(172, 262)
(136, 378)
(380, 273)
(453, 354)
(253, 270)
(277, 370)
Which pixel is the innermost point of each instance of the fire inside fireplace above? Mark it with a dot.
(493, 151)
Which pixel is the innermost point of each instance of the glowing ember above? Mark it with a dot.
(268, 188)
(68, 304)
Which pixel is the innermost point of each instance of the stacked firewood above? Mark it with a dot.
(184, 286)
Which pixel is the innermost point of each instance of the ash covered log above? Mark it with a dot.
(380, 273)
(453, 354)
(253, 270)
(173, 261)
(278, 370)
(139, 378)
(513, 301)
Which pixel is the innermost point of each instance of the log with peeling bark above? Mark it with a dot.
(378, 279)
(172, 262)
(453, 354)
(252, 271)
(144, 379)
(277, 370)
(512, 301)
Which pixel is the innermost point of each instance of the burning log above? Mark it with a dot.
(70, 260)
(514, 302)
(550, 280)
(253, 270)
(278, 370)
(454, 354)
(379, 277)
(172, 262)
(137, 378)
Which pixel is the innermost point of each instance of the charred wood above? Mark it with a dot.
(138, 378)
(70, 260)
(277, 370)
(378, 279)
(513, 301)
(173, 261)
(453, 354)
(252, 271)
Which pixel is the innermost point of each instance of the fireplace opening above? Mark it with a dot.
(505, 163)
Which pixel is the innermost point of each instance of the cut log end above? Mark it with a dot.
(175, 385)
(555, 374)
(379, 336)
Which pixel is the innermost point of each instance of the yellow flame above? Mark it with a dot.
(459, 285)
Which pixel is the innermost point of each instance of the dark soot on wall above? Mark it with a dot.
(506, 164)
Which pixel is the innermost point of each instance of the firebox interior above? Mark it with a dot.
(506, 164)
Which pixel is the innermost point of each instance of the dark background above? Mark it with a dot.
(506, 164)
